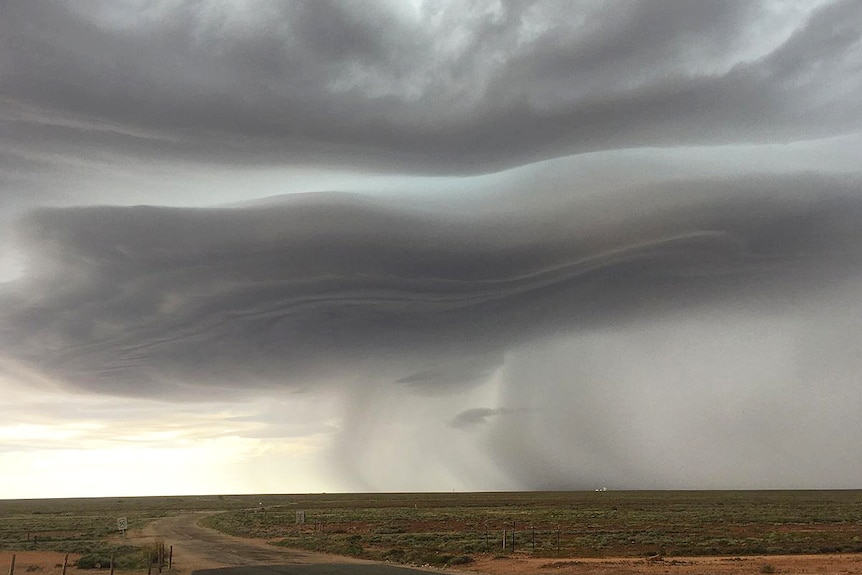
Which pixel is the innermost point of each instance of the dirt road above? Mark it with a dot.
(197, 547)
(208, 552)
(204, 551)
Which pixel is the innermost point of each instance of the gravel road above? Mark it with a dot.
(200, 550)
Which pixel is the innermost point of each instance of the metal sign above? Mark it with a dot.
(122, 524)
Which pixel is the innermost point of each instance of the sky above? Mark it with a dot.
(252, 246)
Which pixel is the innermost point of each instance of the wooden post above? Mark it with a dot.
(112, 562)
(65, 563)
(12, 566)
(171, 558)
(533, 530)
(513, 536)
(558, 540)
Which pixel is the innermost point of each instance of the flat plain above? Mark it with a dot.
(571, 531)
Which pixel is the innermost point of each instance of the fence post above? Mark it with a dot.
(112, 562)
(65, 563)
(170, 558)
(12, 566)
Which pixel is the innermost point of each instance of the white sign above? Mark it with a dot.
(122, 524)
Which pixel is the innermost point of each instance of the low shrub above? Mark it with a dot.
(460, 560)
(396, 555)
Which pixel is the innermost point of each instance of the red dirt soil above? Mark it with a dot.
(50, 563)
(785, 564)
(44, 563)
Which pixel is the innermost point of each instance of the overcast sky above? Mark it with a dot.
(412, 245)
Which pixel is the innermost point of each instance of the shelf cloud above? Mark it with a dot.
(528, 244)
(447, 88)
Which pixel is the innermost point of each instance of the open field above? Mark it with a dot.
(466, 529)
(87, 528)
(439, 528)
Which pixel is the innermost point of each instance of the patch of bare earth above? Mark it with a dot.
(196, 547)
(754, 565)
(37, 562)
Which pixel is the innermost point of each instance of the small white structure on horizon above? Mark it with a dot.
(602, 489)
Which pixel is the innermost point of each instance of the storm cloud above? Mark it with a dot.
(128, 299)
(480, 245)
(424, 88)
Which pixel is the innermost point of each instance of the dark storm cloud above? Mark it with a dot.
(327, 287)
(648, 307)
(464, 87)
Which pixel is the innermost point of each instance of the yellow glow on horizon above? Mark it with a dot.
(219, 465)
(60, 442)
(30, 432)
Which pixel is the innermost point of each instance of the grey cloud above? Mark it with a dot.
(473, 417)
(462, 87)
(470, 419)
(322, 287)
(657, 297)
(454, 372)
(713, 398)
